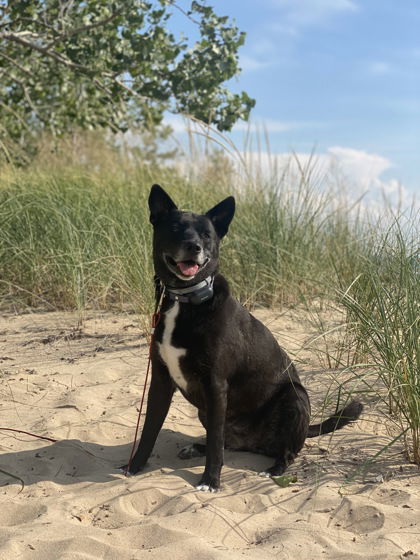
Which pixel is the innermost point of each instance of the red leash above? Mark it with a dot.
(155, 322)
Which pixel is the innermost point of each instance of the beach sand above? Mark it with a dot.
(82, 386)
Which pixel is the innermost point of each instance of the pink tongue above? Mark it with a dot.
(188, 269)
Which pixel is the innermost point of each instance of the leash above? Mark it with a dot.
(203, 293)
(160, 293)
(154, 324)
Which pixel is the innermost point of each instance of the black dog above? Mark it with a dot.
(225, 362)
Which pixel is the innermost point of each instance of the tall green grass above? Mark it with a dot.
(383, 306)
(74, 238)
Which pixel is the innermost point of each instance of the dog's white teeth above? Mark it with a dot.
(264, 474)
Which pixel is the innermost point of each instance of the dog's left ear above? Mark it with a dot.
(160, 203)
(221, 215)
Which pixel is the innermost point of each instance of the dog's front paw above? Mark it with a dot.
(208, 484)
(124, 470)
(264, 474)
(206, 488)
(129, 471)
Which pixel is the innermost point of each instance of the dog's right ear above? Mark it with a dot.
(221, 215)
(160, 203)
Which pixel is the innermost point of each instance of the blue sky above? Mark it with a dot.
(340, 76)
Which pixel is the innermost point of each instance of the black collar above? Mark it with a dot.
(195, 294)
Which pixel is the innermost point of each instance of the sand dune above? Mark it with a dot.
(82, 386)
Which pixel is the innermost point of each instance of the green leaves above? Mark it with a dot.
(285, 480)
(97, 63)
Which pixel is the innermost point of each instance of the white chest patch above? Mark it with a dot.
(169, 354)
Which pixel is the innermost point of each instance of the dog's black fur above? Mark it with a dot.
(245, 387)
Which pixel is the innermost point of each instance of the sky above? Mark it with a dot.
(341, 77)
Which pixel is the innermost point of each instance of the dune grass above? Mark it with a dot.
(383, 305)
(76, 235)
(73, 236)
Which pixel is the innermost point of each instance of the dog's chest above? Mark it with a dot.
(169, 353)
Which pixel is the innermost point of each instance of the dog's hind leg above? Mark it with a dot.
(192, 450)
(195, 449)
(285, 427)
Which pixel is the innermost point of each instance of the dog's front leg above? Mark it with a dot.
(158, 402)
(216, 400)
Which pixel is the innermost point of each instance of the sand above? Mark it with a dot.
(81, 386)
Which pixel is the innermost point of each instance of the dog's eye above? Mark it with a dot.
(206, 234)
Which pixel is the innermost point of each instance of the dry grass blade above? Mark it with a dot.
(7, 473)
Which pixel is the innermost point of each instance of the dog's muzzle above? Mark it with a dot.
(185, 269)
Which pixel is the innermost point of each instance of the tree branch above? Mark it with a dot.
(20, 39)
(27, 20)
(83, 28)
(184, 12)
(17, 116)
(16, 64)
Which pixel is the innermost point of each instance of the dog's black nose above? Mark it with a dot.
(194, 247)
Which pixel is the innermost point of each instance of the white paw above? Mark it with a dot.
(205, 488)
(264, 474)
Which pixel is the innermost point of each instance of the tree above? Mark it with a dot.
(113, 64)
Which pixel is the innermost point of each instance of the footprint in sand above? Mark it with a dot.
(390, 496)
(154, 501)
(358, 518)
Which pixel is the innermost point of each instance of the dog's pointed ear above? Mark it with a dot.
(221, 215)
(160, 203)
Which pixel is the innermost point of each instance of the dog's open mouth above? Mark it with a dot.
(187, 269)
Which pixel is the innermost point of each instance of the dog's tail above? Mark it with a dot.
(338, 420)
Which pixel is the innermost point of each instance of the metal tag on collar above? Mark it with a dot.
(202, 294)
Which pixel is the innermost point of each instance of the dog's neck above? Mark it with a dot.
(194, 294)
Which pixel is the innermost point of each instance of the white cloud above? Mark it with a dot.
(313, 12)
(263, 46)
(251, 63)
(353, 174)
(357, 173)
(362, 167)
(260, 53)
(363, 173)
